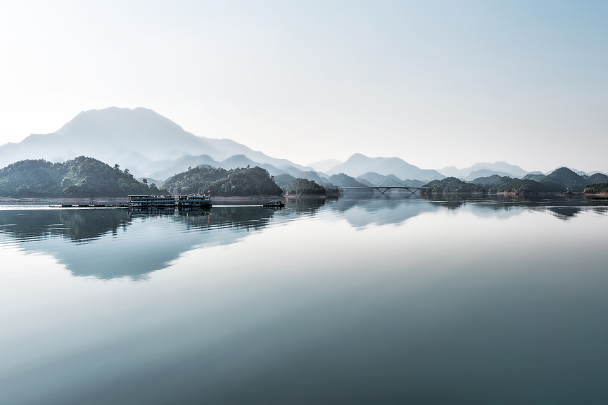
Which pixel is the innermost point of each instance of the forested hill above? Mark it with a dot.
(451, 185)
(221, 182)
(80, 177)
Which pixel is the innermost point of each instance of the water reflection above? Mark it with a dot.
(349, 301)
(111, 243)
(117, 243)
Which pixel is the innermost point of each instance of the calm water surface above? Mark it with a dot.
(380, 300)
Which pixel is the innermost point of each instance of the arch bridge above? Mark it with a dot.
(384, 189)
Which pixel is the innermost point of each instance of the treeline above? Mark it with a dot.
(561, 180)
(80, 177)
(220, 182)
(293, 185)
(303, 186)
(451, 185)
(599, 188)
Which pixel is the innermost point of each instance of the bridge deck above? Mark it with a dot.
(386, 188)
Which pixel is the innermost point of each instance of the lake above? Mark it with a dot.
(386, 300)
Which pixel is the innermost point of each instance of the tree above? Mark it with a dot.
(145, 181)
(116, 166)
(126, 171)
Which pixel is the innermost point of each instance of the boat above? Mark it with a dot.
(151, 201)
(274, 204)
(194, 201)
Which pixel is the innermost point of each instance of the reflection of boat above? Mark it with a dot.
(274, 204)
(151, 201)
(193, 201)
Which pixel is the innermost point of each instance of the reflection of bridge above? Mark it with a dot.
(386, 188)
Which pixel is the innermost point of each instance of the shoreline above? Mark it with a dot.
(72, 200)
(306, 196)
(595, 195)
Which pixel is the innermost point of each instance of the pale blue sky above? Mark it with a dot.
(435, 83)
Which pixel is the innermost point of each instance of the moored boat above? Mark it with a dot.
(274, 204)
(151, 201)
(193, 201)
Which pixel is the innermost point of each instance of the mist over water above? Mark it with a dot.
(384, 300)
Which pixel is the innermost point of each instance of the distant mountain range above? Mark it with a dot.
(484, 170)
(359, 164)
(154, 147)
(325, 165)
(375, 179)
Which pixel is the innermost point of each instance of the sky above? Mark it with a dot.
(436, 83)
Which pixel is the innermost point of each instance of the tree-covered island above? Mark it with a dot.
(240, 182)
(79, 177)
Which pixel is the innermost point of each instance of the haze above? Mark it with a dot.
(434, 83)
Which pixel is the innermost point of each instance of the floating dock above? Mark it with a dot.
(170, 202)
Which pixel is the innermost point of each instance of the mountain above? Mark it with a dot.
(534, 176)
(343, 180)
(597, 178)
(324, 165)
(182, 164)
(380, 180)
(496, 167)
(284, 179)
(80, 177)
(139, 139)
(375, 179)
(494, 183)
(172, 167)
(359, 164)
(485, 173)
(567, 179)
(300, 174)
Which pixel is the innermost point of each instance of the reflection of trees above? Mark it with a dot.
(562, 207)
(152, 240)
(76, 225)
(240, 217)
(304, 206)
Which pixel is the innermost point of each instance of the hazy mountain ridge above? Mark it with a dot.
(496, 168)
(359, 164)
(375, 179)
(344, 180)
(324, 165)
(153, 146)
(560, 180)
(139, 139)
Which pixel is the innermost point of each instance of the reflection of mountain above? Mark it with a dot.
(116, 243)
(112, 243)
(383, 210)
(380, 210)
